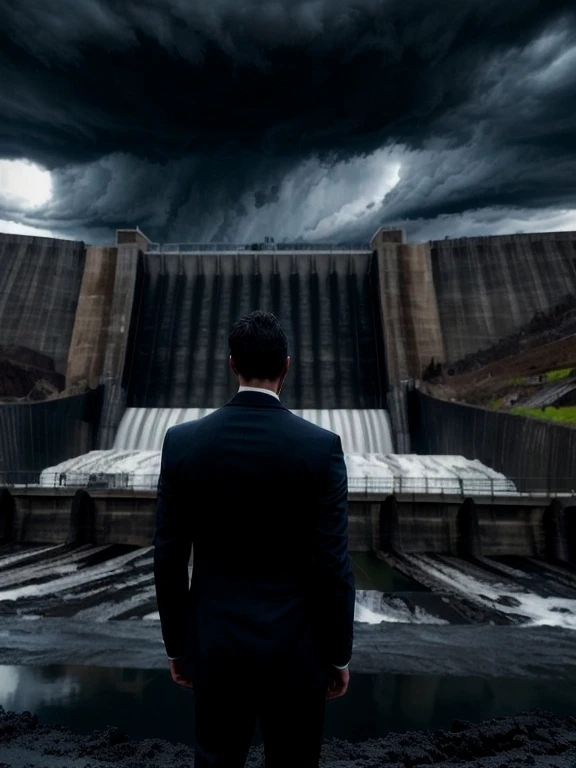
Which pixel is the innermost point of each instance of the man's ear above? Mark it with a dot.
(233, 366)
(283, 375)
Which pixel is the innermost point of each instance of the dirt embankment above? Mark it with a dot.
(537, 739)
(536, 365)
(26, 374)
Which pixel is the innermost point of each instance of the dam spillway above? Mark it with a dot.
(362, 431)
(185, 305)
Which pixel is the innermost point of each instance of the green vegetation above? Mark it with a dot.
(563, 415)
(561, 373)
(496, 403)
(548, 376)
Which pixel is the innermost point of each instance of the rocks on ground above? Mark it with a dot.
(536, 738)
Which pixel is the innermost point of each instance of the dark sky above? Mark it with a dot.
(229, 120)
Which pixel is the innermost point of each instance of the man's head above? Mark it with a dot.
(259, 351)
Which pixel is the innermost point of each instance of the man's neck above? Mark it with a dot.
(263, 388)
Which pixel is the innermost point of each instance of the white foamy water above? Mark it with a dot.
(46, 569)
(6, 560)
(362, 430)
(415, 473)
(367, 472)
(124, 585)
(505, 596)
(108, 609)
(134, 461)
(373, 607)
(54, 582)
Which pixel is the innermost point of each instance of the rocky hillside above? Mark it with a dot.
(532, 372)
(26, 374)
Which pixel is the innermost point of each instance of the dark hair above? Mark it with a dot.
(258, 346)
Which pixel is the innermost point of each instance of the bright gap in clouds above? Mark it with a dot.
(23, 185)
(354, 189)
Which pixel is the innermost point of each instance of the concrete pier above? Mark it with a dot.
(117, 339)
(92, 320)
(409, 306)
(410, 523)
(7, 516)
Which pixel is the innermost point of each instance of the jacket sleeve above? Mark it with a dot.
(172, 546)
(334, 579)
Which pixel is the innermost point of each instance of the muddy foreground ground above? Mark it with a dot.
(532, 739)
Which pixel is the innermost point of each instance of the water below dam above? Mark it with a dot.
(103, 584)
(145, 703)
(185, 305)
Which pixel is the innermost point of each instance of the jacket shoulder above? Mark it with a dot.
(308, 429)
(187, 428)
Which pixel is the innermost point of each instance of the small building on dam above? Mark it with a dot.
(103, 347)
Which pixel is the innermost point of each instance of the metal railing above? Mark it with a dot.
(366, 485)
(244, 247)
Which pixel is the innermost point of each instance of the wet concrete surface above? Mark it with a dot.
(467, 650)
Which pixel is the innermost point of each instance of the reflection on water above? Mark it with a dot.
(146, 703)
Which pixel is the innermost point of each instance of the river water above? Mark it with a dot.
(146, 703)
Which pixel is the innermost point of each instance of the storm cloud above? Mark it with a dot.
(314, 119)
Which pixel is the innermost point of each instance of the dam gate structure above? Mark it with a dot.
(186, 303)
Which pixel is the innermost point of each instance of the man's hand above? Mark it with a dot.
(338, 683)
(178, 672)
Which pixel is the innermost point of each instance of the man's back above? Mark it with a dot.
(252, 482)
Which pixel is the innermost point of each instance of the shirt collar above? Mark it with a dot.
(259, 389)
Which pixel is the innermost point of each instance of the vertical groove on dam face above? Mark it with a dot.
(40, 282)
(489, 287)
(189, 302)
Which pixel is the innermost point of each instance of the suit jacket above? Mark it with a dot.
(261, 494)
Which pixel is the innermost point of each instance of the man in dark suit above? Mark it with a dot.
(264, 630)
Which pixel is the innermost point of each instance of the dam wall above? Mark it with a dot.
(487, 288)
(35, 435)
(446, 299)
(92, 320)
(535, 454)
(185, 304)
(40, 281)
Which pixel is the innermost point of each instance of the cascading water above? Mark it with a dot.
(362, 431)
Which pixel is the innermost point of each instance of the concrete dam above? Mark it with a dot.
(139, 331)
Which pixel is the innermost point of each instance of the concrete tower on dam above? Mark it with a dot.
(141, 325)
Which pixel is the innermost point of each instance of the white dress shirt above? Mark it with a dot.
(259, 389)
(274, 394)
